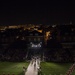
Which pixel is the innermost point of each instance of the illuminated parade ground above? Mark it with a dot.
(37, 37)
(37, 49)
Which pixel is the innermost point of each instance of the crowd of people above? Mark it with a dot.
(60, 55)
(55, 55)
(36, 61)
(13, 55)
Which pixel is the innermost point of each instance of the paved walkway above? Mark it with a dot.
(33, 68)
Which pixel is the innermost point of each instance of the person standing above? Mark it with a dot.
(24, 69)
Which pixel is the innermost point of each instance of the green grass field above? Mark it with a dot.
(12, 67)
(47, 68)
(55, 68)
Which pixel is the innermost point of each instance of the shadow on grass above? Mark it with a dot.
(40, 73)
(22, 73)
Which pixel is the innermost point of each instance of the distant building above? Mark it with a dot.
(35, 41)
(67, 35)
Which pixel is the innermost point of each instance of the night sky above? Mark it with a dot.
(37, 12)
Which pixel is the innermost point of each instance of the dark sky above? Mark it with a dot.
(23, 12)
